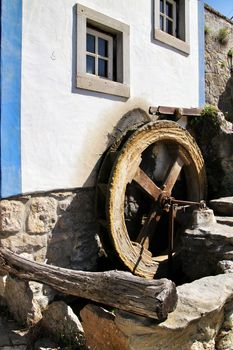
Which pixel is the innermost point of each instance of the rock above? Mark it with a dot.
(194, 324)
(206, 246)
(203, 319)
(224, 339)
(79, 247)
(45, 344)
(26, 300)
(106, 335)
(202, 217)
(35, 246)
(11, 334)
(11, 216)
(225, 220)
(2, 285)
(225, 266)
(43, 215)
(222, 206)
(62, 324)
(17, 347)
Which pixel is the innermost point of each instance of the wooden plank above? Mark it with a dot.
(149, 227)
(146, 184)
(162, 110)
(150, 298)
(192, 112)
(177, 111)
(173, 175)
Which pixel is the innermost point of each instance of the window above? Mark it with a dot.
(99, 54)
(168, 16)
(171, 23)
(102, 53)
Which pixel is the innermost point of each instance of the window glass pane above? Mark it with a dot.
(169, 9)
(102, 47)
(90, 64)
(162, 6)
(161, 23)
(90, 43)
(169, 26)
(102, 68)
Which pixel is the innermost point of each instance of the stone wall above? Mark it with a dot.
(53, 227)
(218, 78)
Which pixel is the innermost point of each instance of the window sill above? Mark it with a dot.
(172, 41)
(92, 83)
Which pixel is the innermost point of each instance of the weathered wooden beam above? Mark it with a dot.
(122, 290)
(176, 111)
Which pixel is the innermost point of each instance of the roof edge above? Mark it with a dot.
(211, 9)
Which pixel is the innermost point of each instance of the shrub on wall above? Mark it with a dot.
(223, 35)
(230, 52)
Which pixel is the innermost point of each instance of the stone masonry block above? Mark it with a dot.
(11, 216)
(42, 215)
(203, 217)
(24, 243)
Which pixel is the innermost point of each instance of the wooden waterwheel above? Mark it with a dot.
(141, 175)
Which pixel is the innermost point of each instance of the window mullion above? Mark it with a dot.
(174, 19)
(96, 55)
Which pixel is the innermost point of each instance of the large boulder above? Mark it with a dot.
(101, 331)
(63, 325)
(201, 320)
(204, 247)
(26, 300)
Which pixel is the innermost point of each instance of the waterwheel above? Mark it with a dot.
(140, 175)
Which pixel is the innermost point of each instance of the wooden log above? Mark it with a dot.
(122, 290)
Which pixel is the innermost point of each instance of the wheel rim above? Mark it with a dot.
(134, 245)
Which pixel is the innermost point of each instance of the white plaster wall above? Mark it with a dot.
(64, 130)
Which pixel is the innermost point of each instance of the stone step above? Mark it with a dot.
(225, 220)
(222, 206)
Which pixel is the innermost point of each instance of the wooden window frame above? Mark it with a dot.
(181, 43)
(86, 18)
(172, 19)
(97, 34)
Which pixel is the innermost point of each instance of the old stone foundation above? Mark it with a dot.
(57, 227)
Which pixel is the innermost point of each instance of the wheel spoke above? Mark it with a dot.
(173, 175)
(148, 229)
(146, 184)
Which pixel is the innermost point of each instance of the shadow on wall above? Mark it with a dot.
(225, 103)
(129, 121)
(59, 226)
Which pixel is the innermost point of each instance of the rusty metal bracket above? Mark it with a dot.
(170, 205)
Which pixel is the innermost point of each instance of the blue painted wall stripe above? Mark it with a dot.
(201, 39)
(10, 140)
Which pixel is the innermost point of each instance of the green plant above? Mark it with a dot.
(223, 64)
(230, 52)
(207, 30)
(223, 35)
(209, 115)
